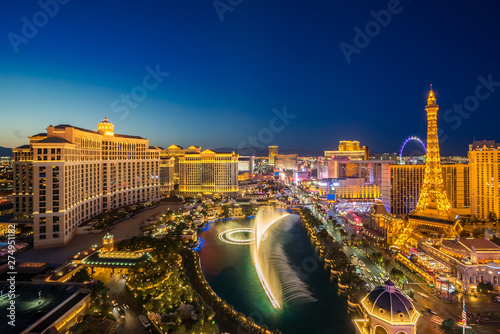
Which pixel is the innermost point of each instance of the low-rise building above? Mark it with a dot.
(386, 223)
(474, 250)
(236, 211)
(470, 260)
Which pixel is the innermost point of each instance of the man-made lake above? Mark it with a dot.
(229, 270)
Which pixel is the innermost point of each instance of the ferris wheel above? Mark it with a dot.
(413, 138)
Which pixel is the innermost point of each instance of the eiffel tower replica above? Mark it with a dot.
(432, 217)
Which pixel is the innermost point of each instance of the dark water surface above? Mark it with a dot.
(231, 274)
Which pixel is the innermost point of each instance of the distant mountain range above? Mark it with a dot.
(5, 152)
(264, 152)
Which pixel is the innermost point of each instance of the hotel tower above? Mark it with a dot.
(69, 175)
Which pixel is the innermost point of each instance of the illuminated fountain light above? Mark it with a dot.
(277, 277)
(228, 236)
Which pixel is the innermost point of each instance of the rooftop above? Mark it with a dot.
(127, 136)
(389, 304)
(28, 308)
(433, 218)
(54, 140)
(64, 126)
(379, 209)
(480, 244)
(477, 145)
(41, 134)
(119, 260)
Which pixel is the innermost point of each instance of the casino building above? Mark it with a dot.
(69, 175)
(208, 173)
(471, 260)
(485, 178)
(350, 150)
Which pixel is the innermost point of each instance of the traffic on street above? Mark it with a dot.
(432, 309)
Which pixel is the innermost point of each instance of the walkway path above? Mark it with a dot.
(121, 231)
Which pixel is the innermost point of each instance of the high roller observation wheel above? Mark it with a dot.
(412, 138)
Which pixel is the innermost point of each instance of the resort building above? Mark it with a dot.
(167, 167)
(22, 194)
(273, 150)
(246, 165)
(174, 151)
(69, 175)
(471, 260)
(406, 181)
(365, 191)
(473, 250)
(375, 173)
(286, 161)
(405, 187)
(208, 173)
(350, 150)
(484, 159)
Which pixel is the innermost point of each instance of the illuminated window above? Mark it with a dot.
(380, 330)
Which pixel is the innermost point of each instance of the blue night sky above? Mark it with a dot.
(226, 76)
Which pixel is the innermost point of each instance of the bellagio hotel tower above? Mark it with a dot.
(69, 175)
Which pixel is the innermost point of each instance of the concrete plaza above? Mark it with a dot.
(124, 230)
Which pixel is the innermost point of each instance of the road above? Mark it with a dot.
(427, 322)
(117, 292)
(423, 298)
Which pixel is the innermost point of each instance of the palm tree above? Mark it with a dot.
(262, 168)
(225, 212)
(377, 257)
(380, 258)
(448, 326)
(83, 327)
(386, 263)
(363, 244)
(353, 236)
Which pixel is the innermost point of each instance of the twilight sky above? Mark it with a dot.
(340, 73)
